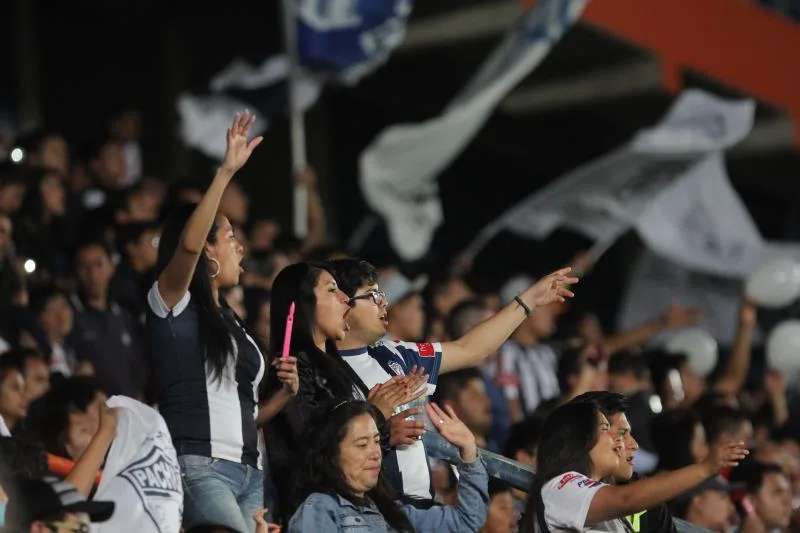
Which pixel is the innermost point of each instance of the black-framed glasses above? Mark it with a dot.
(377, 297)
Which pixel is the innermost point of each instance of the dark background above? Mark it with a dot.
(94, 58)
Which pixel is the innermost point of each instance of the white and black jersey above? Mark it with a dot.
(527, 373)
(206, 415)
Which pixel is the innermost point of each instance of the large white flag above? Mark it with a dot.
(664, 183)
(398, 170)
(141, 475)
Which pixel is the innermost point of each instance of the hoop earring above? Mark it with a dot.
(219, 268)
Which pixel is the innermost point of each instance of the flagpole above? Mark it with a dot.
(296, 123)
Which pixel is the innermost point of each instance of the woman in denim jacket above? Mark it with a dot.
(345, 490)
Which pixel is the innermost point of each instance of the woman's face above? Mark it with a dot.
(331, 308)
(360, 454)
(605, 455)
(500, 515)
(699, 445)
(53, 196)
(228, 252)
(13, 400)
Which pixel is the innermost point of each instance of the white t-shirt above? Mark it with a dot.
(141, 475)
(566, 501)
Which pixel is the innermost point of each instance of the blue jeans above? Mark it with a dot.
(220, 492)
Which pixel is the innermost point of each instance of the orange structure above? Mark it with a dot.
(737, 42)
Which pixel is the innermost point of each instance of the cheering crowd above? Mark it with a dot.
(297, 384)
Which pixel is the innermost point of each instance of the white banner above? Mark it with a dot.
(398, 170)
(659, 178)
(141, 475)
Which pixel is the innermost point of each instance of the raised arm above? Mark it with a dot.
(174, 281)
(83, 474)
(674, 317)
(469, 514)
(487, 337)
(735, 372)
(317, 226)
(617, 501)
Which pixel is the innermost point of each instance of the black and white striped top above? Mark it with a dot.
(205, 416)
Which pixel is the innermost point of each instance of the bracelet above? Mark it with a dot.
(523, 305)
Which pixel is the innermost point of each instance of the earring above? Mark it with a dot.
(219, 268)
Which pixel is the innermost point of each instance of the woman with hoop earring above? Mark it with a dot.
(208, 367)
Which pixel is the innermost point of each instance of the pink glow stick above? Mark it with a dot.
(287, 336)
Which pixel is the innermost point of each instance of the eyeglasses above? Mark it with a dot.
(72, 528)
(377, 297)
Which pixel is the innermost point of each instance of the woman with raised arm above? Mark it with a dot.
(208, 367)
(576, 452)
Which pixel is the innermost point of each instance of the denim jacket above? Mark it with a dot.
(321, 513)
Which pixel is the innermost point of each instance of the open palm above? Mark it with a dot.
(553, 287)
(238, 149)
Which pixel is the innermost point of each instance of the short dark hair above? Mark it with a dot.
(93, 243)
(497, 486)
(628, 362)
(672, 433)
(455, 324)
(609, 403)
(9, 363)
(42, 294)
(452, 383)
(525, 436)
(351, 273)
(754, 474)
(721, 419)
(132, 232)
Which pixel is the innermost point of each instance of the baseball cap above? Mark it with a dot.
(36, 499)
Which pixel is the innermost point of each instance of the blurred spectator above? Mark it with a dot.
(138, 204)
(726, 424)
(256, 302)
(768, 498)
(44, 232)
(235, 204)
(46, 149)
(105, 165)
(527, 368)
(522, 445)
(12, 280)
(13, 400)
(679, 439)
(12, 190)
(35, 370)
(105, 334)
(464, 391)
(126, 127)
(708, 506)
(135, 273)
(674, 380)
(407, 318)
(463, 318)
(49, 505)
(501, 516)
(51, 307)
(629, 375)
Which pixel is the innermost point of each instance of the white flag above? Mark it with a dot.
(399, 169)
(609, 195)
(141, 475)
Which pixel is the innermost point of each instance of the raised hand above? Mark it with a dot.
(725, 455)
(454, 430)
(748, 314)
(286, 369)
(677, 316)
(108, 420)
(402, 431)
(238, 148)
(550, 288)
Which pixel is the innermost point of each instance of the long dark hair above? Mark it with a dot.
(296, 283)
(214, 332)
(568, 435)
(321, 472)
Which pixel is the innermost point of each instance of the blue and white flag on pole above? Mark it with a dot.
(398, 170)
(338, 41)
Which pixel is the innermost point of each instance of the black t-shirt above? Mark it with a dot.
(656, 519)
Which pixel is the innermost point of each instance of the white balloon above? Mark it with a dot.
(775, 283)
(783, 348)
(700, 347)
